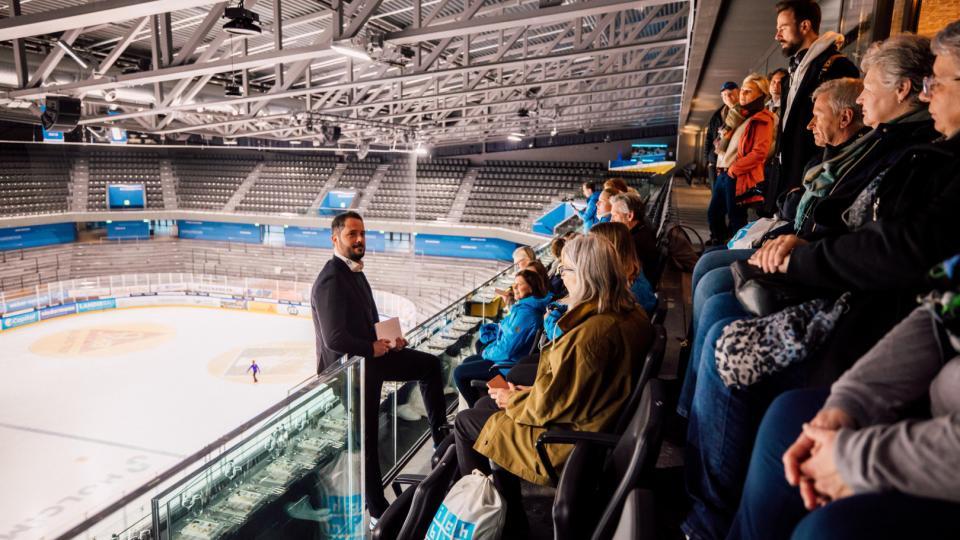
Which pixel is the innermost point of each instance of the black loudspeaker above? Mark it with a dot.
(61, 114)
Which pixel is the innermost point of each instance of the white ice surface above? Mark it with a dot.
(79, 430)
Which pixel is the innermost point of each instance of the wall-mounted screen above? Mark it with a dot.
(123, 196)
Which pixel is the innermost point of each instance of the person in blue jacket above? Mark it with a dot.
(509, 340)
(619, 235)
(589, 213)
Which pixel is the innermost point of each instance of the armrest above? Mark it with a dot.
(406, 480)
(563, 436)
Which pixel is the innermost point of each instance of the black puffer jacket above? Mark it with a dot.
(893, 140)
(915, 224)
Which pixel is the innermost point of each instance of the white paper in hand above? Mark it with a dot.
(389, 330)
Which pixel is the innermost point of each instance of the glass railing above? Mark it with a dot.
(295, 474)
(295, 468)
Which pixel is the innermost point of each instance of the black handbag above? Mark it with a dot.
(762, 294)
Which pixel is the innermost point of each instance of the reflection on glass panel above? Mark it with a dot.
(298, 474)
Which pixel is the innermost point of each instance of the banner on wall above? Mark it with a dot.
(311, 237)
(14, 321)
(119, 230)
(57, 311)
(96, 305)
(221, 232)
(37, 235)
(464, 247)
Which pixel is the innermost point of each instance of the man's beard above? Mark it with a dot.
(356, 252)
(789, 49)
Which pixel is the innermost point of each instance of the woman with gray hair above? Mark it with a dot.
(580, 381)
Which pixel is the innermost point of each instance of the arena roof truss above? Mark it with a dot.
(451, 70)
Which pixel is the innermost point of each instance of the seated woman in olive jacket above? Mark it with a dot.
(579, 384)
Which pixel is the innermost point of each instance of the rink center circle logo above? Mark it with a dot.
(103, 340)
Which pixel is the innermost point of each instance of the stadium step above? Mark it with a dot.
(370, 191)
(460, 201)
(244, 188)
(330, 184)
(80, 184)
(168, 183)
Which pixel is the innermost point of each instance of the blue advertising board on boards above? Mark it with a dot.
(222, 232)
(119, 230)
(320, 238)
(37, 235)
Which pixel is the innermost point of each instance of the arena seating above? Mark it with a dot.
(207, 181)
(116, 167)
(288, 183)
(507, 193)
(504, 193)
(431, 283)
(437, 182)
(34, 182)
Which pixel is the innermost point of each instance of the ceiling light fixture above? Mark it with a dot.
(514, 138)
(66, 48)
(241, 22)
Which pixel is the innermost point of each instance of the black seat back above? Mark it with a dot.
(635, 455)
(650, 369)
(428, 496)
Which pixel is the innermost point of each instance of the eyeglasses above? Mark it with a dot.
(931, 84)
(561, 269)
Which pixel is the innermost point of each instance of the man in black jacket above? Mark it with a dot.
(344, 315)
(814, 58)
(713, 131)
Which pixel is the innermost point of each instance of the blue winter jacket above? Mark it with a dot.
(643, 293)
(589, 214)
(517, 331)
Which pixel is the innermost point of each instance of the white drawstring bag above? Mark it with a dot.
(473, 510)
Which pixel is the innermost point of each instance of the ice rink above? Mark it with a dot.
(94, 405)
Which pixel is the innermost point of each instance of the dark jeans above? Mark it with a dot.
(771, 509)
(403, 365)
(474, 367)
(723, 207)
(467, 428)
(722, 426)
(718, 311)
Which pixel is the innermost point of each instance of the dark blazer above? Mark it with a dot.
(344, 314)
(795, 146)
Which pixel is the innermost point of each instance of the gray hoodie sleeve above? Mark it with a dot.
(896, 372)
(916, 457)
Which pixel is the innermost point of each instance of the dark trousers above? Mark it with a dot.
(403, 365)
(771, 509)
(467, 428)
(723, 209)
(474, 367)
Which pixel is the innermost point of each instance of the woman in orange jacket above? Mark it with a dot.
(754, 149)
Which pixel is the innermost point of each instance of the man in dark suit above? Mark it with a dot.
(344, 315)
(813, 59)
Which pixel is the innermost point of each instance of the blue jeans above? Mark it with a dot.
(723, 208)
(709, 264)
(718, 311)
(771, 509)
(473, 367)
(722, 425)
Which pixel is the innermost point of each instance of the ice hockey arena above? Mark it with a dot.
(479, 269)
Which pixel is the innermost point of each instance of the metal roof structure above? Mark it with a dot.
(440, 71)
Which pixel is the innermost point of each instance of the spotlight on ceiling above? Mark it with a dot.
(553, 132)
(110, 96)
(523, 113)
(330, 134)
(241, 22)
(232, 89)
